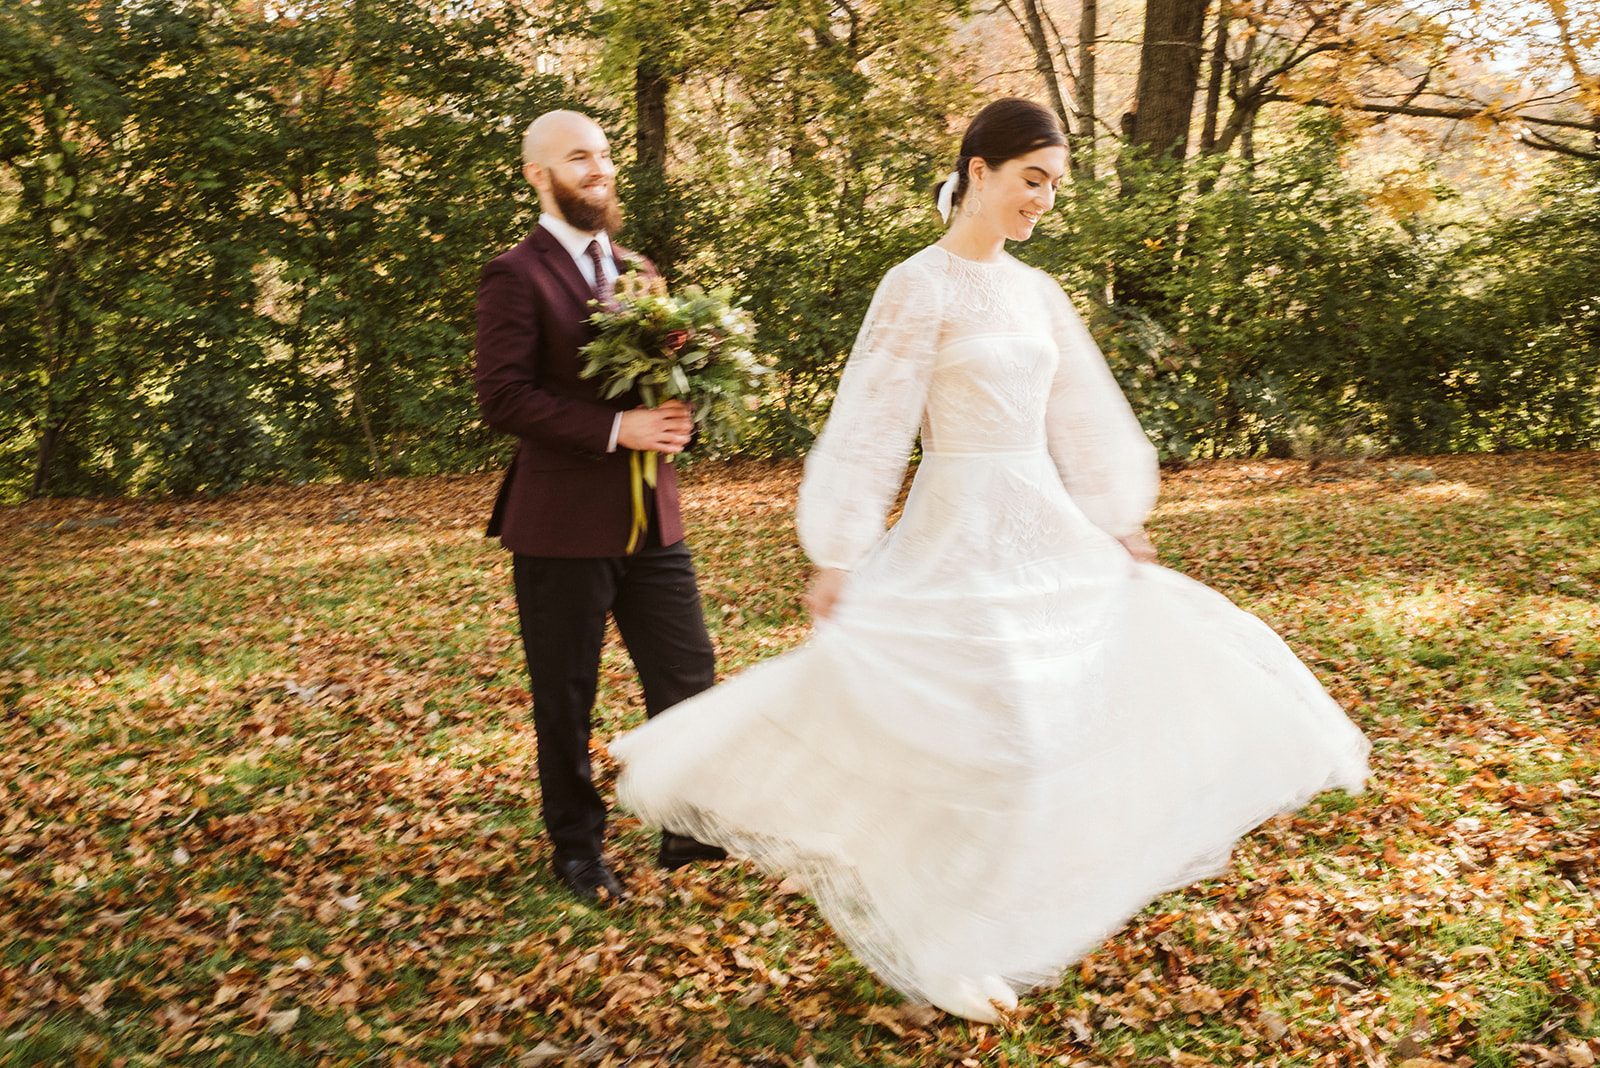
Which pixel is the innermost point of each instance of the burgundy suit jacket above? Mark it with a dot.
(564, 494)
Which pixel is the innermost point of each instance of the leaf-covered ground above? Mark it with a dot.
(265, 797)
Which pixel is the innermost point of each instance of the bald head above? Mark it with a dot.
(566, 157)
(547, 137)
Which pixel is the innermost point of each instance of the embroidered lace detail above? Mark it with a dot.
(980, 294)
(982, 359)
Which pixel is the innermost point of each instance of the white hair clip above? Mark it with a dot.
(947, 195)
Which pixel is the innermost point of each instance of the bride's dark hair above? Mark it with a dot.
(1008, 128)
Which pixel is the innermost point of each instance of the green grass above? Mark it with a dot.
(258, 762)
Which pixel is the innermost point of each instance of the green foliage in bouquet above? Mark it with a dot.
(692, 346)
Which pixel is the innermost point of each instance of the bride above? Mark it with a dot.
(1010, 728)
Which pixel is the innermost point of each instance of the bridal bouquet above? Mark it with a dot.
(692, 346)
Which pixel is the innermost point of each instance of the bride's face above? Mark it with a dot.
(1017, 193)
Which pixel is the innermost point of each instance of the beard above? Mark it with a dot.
(592, 213)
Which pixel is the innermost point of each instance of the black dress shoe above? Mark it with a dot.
(587, 877)
(679, 849)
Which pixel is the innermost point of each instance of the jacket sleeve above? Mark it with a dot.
(511, 393)
(854, 471)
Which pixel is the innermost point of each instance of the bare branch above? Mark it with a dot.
(1061, 45)
(1410, 97)
(1534, 139)
(1295, 60)
(1479, 111)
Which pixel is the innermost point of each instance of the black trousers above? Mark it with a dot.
(562, 604)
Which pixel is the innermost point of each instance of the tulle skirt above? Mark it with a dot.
(985, 762)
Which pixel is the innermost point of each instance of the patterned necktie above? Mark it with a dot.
(605, 290)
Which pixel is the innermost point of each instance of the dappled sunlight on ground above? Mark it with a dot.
(1429, 608)
(1448, 491)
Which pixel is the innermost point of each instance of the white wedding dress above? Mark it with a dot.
(1009, 736)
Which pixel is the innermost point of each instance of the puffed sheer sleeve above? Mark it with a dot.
(1106, 462)
(854, 471)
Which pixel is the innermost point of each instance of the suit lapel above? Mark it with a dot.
(560, 264)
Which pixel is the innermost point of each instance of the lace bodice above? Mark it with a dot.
(982, 358)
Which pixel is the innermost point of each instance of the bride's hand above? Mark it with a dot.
(823, 591)
(1139, 547)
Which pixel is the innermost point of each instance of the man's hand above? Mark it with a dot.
(823, 591)
(663, 429)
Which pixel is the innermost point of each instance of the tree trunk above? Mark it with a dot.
(1083, 90)
(652, 209)
(1032, 24)
(1246, 95)
(1214, 78)
(1213, 107)
(650, 87)
(1169, 75)
(1042, 60)
(44, 458)
(1158, 129)
(359, 403)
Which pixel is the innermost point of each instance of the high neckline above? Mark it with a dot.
(1005, 257)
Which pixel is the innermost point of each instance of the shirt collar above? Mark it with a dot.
(574, 240)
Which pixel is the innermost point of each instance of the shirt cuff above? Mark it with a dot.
(616, 428)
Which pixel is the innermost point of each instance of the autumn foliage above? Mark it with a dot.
(266, 797)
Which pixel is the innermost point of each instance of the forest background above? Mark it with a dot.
(239, 238)
(265, 787)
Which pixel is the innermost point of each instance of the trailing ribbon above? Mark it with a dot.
(947, 195)
(643, 474)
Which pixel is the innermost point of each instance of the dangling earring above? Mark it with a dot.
(971, 204)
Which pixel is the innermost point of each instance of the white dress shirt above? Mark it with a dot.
(576, 242)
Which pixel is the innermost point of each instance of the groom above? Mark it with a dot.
(565, 509)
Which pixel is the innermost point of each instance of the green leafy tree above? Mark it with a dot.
(1296, 317)
(1530, 377)
(242, 245)
(387, 137)
(117, 157)
(803, 140)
